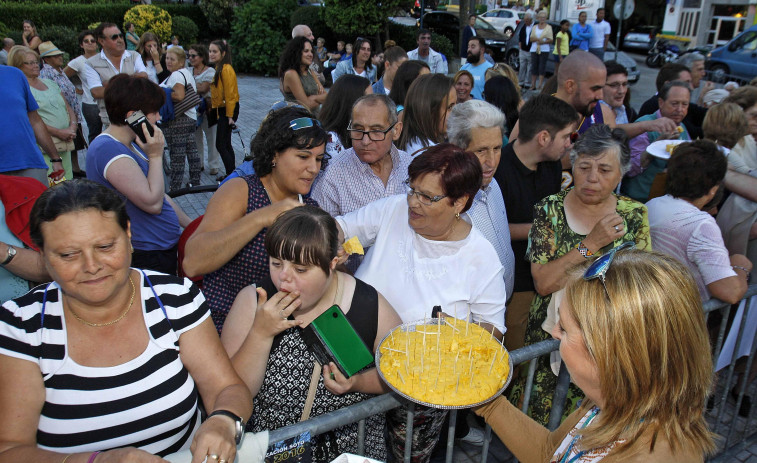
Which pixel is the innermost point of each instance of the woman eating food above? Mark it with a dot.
(265, 334)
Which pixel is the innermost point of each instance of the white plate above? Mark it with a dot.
(658, 149)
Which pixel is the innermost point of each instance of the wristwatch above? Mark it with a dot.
(238, 424)
(584, 250)
(10, 256)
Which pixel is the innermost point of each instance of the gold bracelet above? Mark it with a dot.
(66, 458)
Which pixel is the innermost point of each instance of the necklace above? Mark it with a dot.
(131, 301)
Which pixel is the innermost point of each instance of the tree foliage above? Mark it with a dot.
(220, 15)
(359, 17)
(258, 34)
(150, 18)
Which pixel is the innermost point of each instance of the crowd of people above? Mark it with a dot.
(566, 213)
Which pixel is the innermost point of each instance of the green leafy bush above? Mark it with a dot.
(150, 18)
(219, 15)
(405, 36)
(258, 34)
(3, 30)
(63, 37)
(443, 45)
(185, 29)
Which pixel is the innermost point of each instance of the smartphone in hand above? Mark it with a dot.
(136, 120)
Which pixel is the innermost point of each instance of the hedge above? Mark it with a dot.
(260, 31)
(79, 16)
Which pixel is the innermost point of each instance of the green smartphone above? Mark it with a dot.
(342, 343)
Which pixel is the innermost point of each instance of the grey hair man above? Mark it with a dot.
(695, 62)
(373, 168)
(524, 53)
(7, 45)
(477, 126)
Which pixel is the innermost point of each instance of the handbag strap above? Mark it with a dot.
(311, 391)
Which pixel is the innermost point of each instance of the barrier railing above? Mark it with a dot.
(729, 445)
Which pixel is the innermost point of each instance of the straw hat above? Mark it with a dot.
(48, 49)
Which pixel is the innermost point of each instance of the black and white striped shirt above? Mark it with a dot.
(149, 402)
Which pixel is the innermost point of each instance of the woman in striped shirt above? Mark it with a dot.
(105, 363)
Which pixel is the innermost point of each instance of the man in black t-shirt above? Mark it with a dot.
(530, 170)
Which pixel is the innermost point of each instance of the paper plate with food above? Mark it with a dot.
(444, 363)
(664, 148)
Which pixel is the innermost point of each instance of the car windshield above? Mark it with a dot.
(481, 24)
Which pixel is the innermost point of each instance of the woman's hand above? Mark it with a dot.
(155, 142)
(127, 455)
(341, 254)
(272, 316)
(215, 437)
(279, 207)
(155, 55)
(336, 382)
(608, 229)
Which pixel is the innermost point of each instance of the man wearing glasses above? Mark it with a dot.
(373, 168)
(113, 59)
(615, 91)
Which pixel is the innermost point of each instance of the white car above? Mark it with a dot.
(503, 19)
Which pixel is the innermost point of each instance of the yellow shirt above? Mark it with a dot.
(226, 92)
(564, 44)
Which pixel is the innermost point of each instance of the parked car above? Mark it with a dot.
(402, 17)
(504, 19)
(640, 38)
(735, 60)
(448, 25)
(512, 52)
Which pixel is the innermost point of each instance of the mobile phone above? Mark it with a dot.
(136, 120)
(342, 344)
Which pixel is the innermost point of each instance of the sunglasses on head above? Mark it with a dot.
(599, 268)
(303, 123)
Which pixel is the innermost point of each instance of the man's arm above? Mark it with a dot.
(519, 231)
(27, 264)
(741, 184)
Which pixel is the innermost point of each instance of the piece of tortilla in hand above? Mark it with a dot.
(353, 246)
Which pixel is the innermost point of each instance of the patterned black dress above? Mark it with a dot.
(282, 395)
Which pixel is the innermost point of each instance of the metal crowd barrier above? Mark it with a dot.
(736, 433)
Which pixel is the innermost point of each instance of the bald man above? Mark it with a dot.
(302, 30)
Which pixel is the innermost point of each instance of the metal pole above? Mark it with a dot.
(423, 11)
(620, 26)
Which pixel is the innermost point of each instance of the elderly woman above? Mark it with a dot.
(418, 242)
(541, 39)
(658, 353)
(58, 116)
(266, 341)
(120, 160)
(427, 105)
(132, 39)
(203, 74)
(744, 156)
(93, 371)
(570, 227)
(180, 131)
(360, 63)
(288, 153)
(297, 82)
(463, 82)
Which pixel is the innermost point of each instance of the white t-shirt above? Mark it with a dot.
(415, 274)
(183, 77)
(599, 30)
(79, 64)
(692, 236)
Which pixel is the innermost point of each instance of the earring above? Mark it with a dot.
(273, 164)
(131, 248)
(457, 216)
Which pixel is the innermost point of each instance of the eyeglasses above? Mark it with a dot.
(191, 55)
(116, 36)
(423, 198)
(31, 63)
(599, 268)
(89, 41)
(303, 123)
(374, 135)
(617, 85)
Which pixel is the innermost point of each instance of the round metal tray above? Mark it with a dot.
(411, 326)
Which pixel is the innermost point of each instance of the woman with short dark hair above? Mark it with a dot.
(288, 154)
(109, 362)
(120, 160)
(418, 242)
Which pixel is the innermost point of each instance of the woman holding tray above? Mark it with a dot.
(420, 242)
(646, 385)
(265, 334)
